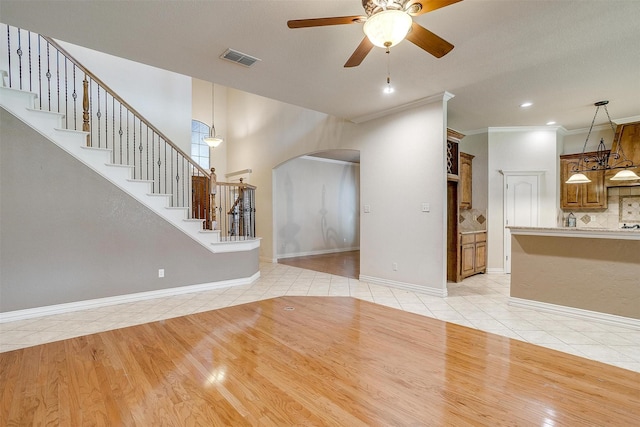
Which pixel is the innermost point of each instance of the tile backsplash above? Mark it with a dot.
(623, 207)
(472, 220)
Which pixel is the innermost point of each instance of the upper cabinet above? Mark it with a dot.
(590, 195)
(627, 141)
(453, 163)
(466, 175)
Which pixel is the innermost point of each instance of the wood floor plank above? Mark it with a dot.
(309, 361)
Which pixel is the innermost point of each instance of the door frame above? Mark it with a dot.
(506, 246)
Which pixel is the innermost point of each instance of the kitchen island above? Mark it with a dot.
(592, 273)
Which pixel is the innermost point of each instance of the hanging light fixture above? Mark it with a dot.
(389, 26)
(603, 159)
(212, 140)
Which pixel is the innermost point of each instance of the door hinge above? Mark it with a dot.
(507, 257)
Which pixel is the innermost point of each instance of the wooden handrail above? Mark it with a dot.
(125, 104)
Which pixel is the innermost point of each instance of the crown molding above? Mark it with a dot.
(443, 96)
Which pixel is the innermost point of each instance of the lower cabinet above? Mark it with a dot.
(473, 253)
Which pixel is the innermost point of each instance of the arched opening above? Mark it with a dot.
(317, 212)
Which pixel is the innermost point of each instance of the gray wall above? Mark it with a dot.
(67, 234)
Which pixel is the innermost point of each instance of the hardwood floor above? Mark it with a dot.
(334, 361)
(345, 264)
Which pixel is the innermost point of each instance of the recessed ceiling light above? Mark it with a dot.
(551, 123)
(388, 89)
(526, 104)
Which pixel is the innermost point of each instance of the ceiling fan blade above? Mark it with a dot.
(360, 53)
(427, 5)
(428, 41)
(320, 22)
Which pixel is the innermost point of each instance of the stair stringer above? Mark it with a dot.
(49, 124)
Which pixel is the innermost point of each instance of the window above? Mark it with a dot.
(199, 148)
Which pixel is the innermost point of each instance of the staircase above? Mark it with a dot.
(50, 124)
(50, 91)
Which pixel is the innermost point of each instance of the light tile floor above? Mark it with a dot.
(478, 302)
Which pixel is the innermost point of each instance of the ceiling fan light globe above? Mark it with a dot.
(577, 178)
(388, 27)
(625, 175)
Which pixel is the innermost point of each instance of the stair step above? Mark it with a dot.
(50, 119)
(123, 171)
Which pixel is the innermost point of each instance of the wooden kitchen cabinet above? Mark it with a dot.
(587, 196)
(473, 253)
(627, 142)
(466, 174)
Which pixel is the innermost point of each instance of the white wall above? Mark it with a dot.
(160, 96)
(520, 149)
(402, 166)
(574, 140)
(203, 109)
(316, 206)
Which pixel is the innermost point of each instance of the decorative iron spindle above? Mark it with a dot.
(30, 72)
(19, 52)
(48, 75)
(9, 55)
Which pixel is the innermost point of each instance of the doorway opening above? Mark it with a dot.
(316, 209)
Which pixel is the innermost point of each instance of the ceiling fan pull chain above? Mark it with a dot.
(388, 89)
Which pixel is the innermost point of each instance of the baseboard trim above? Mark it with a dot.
(403, 285)
(495, 271)
(579, 313)
(29, 313)
(268, 260)
(319, 252)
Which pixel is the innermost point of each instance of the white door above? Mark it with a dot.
(521, 201)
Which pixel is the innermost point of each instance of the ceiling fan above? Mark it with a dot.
(387, 23)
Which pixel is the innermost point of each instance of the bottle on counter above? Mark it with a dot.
(571, 220)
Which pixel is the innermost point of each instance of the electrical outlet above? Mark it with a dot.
(367, 208)
(161, 273)
(592, 217)
(394, 266)
(426, 207)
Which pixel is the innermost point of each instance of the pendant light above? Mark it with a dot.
(212, 140)
(603, 159)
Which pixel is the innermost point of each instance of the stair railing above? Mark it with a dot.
(234, 210)
(39, 64)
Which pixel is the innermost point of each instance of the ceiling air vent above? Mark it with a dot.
(239, 57)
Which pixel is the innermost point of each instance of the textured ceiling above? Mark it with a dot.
(561, 55)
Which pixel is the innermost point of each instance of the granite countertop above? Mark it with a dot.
(596, 233)
(473, 231)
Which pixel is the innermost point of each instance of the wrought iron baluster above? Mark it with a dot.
(120, 132)
(106, 119)
(147, 150)
(58, 78)
(48, 75)
(19, 53)
(140, 148)
(30, 72)
(74, 95)
(40, 70)
(99, 116)
(66, 93)
(9, 55)
(113, 129)
(134, 147)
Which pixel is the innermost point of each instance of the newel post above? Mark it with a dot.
(85, 109)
